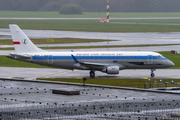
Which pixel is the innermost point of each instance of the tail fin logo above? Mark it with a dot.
(24, 41)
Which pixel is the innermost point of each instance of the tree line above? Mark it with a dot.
(92, 5)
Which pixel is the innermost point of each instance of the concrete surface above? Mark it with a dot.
(33, 73)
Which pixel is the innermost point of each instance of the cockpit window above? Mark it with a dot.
(160, 56)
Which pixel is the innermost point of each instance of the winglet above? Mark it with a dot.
(75, 60)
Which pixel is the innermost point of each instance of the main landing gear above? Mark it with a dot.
(92, 74)
(152, 72)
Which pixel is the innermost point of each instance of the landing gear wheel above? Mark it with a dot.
(92, 74)
(152, 74)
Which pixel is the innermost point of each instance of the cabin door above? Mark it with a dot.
(150, 59)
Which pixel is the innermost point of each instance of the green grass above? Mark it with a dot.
(25, 14)
(57, 41)
(135, 83)
(7, 62)
(153, 21)
(3, 35)
(92, 26)
(7, 48)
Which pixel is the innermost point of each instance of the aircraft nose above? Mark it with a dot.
(170, 63)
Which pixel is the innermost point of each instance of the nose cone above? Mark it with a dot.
(170, 63)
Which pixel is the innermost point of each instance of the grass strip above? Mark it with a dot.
(9, 48)
(47, 14)
(7, 62)
(165, 25)
(134, 83)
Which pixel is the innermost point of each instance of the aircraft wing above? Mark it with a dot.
(90, 65)
(93, 65)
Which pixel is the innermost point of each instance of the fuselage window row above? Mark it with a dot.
(97, 57)
(89, 57)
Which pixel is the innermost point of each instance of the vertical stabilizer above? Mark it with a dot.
(21, 42)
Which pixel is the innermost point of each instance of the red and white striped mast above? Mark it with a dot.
(107, 11)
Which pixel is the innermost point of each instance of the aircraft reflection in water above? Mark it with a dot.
(109, 62)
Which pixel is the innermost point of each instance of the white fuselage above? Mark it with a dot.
(125, 60)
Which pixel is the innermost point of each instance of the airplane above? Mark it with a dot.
(110, 62)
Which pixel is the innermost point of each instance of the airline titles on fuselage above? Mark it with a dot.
(97, 54)
(93, 54)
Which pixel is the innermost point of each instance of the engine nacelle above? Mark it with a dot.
(111, 70)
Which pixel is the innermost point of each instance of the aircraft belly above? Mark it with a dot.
(40, 62)
(143, 64)
(66, 64)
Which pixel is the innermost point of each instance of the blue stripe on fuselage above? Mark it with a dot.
(95, 57)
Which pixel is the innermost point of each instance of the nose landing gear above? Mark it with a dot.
(152, 72)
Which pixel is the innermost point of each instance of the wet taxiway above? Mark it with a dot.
(122, 38)
(33, 73)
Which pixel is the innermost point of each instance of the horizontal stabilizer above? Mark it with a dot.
(20, 55)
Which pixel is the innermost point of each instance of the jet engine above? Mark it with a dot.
(111, 70)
